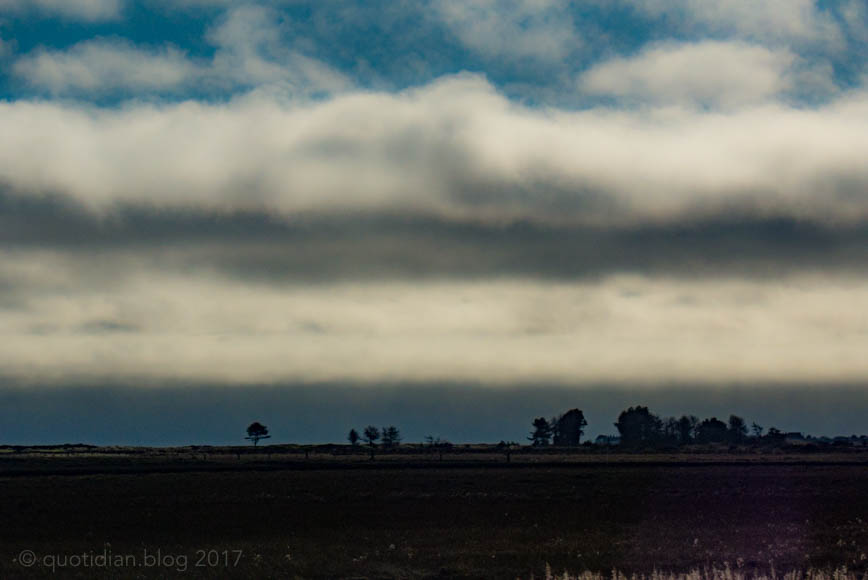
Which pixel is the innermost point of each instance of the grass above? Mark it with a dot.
(714, 573)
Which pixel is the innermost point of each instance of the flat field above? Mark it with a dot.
(147, 516)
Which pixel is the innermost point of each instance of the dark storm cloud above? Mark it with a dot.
(261, 246)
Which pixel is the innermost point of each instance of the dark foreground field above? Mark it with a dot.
(95, 517)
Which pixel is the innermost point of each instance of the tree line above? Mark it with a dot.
(388, 437)
(637, 427)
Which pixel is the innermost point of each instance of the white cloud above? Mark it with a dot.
(710, 73)
(86, 10)
(536, 29)
(186, 4)
(106, 65)
(453, 147)
(771, 21)
(250, 53)
(855, 14)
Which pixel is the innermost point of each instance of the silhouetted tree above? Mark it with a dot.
(639, 426)
(711, 430)
(257, 431)
(737, 429)
(686, 428)
(371, 435)
(774, 435)
(569, 428)
(542, 432)
(757, 430)
(671, 431)
(391, 436)
(353, 437)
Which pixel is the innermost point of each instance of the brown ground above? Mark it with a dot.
(427, 519)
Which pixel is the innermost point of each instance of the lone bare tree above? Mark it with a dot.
(257, 431)
(353, 437)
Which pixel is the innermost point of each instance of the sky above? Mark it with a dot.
(321, 201)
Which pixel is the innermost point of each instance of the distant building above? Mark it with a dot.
(607, 440)
(794, 438)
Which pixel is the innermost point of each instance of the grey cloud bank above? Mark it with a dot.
(266, 247)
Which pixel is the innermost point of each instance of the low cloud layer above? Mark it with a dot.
(116, 317)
